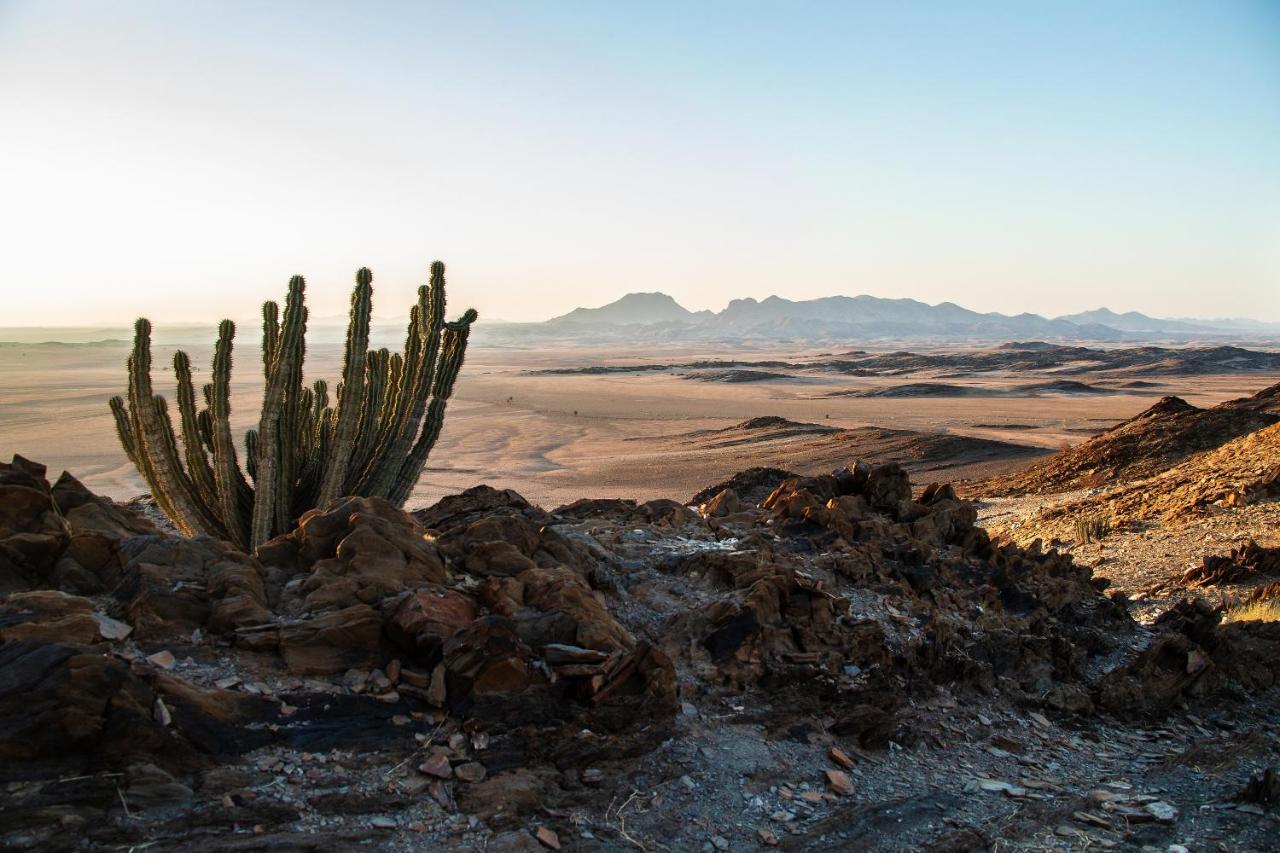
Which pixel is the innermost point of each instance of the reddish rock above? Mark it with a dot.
(421, 621)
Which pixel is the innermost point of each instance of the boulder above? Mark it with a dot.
(360, 551)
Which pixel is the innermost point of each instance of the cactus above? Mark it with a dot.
(1090, 529)
(372, 439)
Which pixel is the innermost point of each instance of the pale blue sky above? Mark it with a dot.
(182, 159)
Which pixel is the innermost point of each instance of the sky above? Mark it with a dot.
(182, 160)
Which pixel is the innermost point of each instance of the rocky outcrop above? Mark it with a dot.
(504, 655)
(1147, 444)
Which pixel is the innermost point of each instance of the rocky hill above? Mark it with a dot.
(839, 665)
(1148, 443)
(1243, 470)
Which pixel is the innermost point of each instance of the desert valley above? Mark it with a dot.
(740, 617)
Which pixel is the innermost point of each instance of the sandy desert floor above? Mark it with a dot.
(556, 438)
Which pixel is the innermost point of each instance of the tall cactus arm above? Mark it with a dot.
(430, 321)
(376, 379)
(198, 467)
(231, 487)
(124, 431)
(270, 336)
(273, 500)
(453, 350)
(251, 456)
(151, 431)
(351, 395)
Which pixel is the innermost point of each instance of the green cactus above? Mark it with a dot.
(373, 439)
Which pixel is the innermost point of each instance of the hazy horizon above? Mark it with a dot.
(180, 161)
(384, 316)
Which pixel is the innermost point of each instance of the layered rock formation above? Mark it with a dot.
(484, 657)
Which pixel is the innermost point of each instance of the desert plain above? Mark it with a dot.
(535, 421)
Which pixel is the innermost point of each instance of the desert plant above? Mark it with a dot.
(1091, 528)
(372, 441)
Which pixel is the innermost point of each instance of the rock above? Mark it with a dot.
(360, 551)
(1262, 789)
(547, 838)
(163, 659)
(512, 793)
(1161, 811)
(470, 771)
(66, 709)
(33, 534)
(422, 621)
(888, 487)
(111, 629)
(437, 765)
(1070, 698)
(725, 503)
(839, 782)
(49, 616)
(767, 837)
(321, 645)
(839, 757)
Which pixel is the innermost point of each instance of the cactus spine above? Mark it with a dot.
(373, 440)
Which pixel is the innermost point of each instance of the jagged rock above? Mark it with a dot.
(75, 711)
(328, 643)
(32, 532)
(358, 551)
(493, 533)
(1147, 444)
(49, 616)
(888, 486)
(422, 621)
(173, 585)
(487, 658)
(1245, 563)
(724, 503)
(752, 485)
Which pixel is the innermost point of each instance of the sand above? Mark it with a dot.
(556, 438)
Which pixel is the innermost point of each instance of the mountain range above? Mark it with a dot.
(657, 316)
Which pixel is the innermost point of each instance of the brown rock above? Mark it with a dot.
(422, 621)
(470, 771)
(839, 757)
(322, 645)
(49, 616)
(512, 793)
(437, 765)
(839, 782)
(725, 503)
(547, 838)
(361, 550)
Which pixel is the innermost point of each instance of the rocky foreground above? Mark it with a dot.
(845, 664)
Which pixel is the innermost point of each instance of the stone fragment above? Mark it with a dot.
(470, 771)
(437, 765)
(547, 838)
(839, 782)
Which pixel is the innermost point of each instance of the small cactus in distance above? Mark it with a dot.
(373, 439)
(1090, 529)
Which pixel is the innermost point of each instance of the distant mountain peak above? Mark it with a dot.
(644, 308)
(659, 316)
